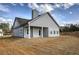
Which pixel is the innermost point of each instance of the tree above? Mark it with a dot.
(70, 28)
(4, 27)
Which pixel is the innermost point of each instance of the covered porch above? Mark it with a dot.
(33, 31)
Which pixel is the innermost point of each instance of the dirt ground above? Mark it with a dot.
(63, 45)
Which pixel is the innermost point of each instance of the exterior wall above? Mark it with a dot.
(43, 21)
(25, 32)
(34, 13)
(46, 21)
(45, 32)
(15, 24)
(31, 31)
(36, 32)
(53, 32)
(19, 32)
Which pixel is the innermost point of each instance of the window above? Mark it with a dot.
(57, 32)
(27, 30)
(51, 32)
(54, 32)
(39, 32)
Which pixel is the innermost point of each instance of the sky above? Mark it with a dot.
(63, 13)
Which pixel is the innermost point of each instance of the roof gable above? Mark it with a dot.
(44, 20)
(36, 18)
(21, 22)
(53, 19)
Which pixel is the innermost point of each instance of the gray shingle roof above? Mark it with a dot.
(22, 20)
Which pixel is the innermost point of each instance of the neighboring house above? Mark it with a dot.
(39, 26)
(1, 32)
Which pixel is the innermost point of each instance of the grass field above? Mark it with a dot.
(39, 46)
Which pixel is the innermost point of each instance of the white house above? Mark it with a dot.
(1, 32)
(39, 26)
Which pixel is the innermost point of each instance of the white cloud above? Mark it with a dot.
(4, 20)
(73, 22)
(67, 5)
(57, 5)
(21, 4)
(4, 8)
(70, 12)
(14, 4)
(30, 5)
(64, 5)
(41, 8)
(33, 5)
(49, 7)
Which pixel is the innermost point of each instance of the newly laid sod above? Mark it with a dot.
(39, 46)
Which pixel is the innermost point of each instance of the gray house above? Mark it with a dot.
(39, 26)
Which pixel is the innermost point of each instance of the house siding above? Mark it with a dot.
(46, 21)
(38, 23)
(54, 32)
(25, 32)
(36, 32)
(35, 13)
(18, 32)
(16, 24)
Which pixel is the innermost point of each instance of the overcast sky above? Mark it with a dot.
(62, 13)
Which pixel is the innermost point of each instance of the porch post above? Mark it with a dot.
(29, 30)
(42, 32)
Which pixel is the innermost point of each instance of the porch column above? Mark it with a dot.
(29, 30)
(42, 32)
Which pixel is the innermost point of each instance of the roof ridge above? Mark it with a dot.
(53, 19)
(20, 18)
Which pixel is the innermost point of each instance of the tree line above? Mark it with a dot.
(70, 28)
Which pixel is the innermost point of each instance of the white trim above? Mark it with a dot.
(42, 32)
(29, 30)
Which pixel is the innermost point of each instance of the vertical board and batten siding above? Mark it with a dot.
(26, 35)
(46, 21)
(16, 24)
(19, 32)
